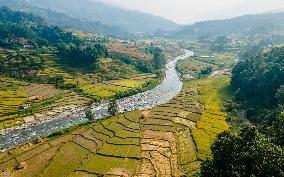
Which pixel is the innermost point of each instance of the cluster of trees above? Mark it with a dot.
(219, 44)
(159, 59)
(83, 55)
(245, 155)
(258, 85)
(206, 70)
(157, 63)
(6, 14)
(20, 66)
(15, 26)
(112, 107)
(250, 77)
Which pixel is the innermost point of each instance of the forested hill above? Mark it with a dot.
(133, 21)
(243, 25)
(65, 21)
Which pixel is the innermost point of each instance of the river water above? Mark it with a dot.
(164, 92)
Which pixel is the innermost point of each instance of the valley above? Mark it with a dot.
(92, 89)
(167, 140)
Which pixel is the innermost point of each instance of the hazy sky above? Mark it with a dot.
(188, 11)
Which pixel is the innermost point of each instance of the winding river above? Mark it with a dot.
(164, 92)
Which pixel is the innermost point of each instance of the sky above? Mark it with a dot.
(190, 11)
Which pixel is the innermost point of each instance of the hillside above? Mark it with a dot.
(262, 24)
(133, 21)
(45, 70)
(65, 21)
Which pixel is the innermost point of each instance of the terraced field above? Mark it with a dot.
(113, 77)
(168, 140)
(11, 100)
(21, 102)
(220, 60)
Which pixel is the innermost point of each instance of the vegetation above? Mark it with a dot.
(213, 120)
(116, 20)
(246, 154)
(247, 25)
(250, 77)
(219, 44)
(117, 145)
(86, 56)
(249, 81)
(112, 107)
(46, 71)
(56, 70)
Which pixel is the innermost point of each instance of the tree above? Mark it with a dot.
(204, 38)
(90, 115)
(112, 107)
(206, 70)
(219, 44)
(280, 95)
(245, 155)
(59, 79)
(277, 129)
(83, 55)
(251, 77)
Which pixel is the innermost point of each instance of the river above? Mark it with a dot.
(164, 92)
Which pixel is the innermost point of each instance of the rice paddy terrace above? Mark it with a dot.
(167, 140)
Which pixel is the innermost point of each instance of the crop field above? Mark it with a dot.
(40, 91)
(129, 49)
(212, 121)
(41, 101)
(11, 101)
(193, 67)
(128, 83)
(221, 60)
(110, 88)
(168, 140)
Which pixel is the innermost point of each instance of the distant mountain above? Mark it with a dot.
(272, 23)
(63, 20)
(133, 21)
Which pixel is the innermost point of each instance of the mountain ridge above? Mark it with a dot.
(266, 23)
(131, 20)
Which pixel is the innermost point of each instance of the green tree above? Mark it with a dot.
(206, 70)
(90, 115)
(219, 44)
(280, 95)
(277, 129)
(258, 78)
(112, 107)
(245, 155)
